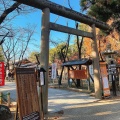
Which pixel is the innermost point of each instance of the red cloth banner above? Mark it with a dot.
(2, 78)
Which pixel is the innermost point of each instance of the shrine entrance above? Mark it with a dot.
(48, 7)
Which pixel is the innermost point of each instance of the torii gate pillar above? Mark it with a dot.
(96, 67)
(44, 55)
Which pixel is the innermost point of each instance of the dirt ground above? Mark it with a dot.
(58, 114)
(49, 116)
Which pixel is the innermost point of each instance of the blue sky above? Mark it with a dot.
(35, 18)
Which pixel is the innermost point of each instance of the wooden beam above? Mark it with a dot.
(96, 67)
(69, 30)
(65, 12)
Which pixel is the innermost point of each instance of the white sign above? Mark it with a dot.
(54, 72)
(42, 78)
(105, 82)
(106, 89)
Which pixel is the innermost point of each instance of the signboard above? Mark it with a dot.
(103, 69)
(112, 69)
(54, 71)
(2, 77)
(27, 94)
(78, 74)
(42, 79)
(104, 74)
(106, 89)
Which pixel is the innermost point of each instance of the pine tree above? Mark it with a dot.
(103, 10)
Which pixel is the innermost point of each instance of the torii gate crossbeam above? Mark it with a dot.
(65, 12)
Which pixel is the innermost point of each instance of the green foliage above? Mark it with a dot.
(84, 27)
(52, 53)
(103, 10)
(56, 52)
(32, 57)
(103, 33)
(73, 48)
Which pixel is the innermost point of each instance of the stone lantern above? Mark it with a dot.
(112, 70)
(109, 54)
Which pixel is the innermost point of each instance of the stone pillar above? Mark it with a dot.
(44, 54)
(96, 66)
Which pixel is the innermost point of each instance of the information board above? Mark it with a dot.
(78, 74)
(104, 74)
(112, 69)
(106, 89)
(103, 69)
(2, 77)
(28, 102)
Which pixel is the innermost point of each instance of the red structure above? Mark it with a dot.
(2, 78)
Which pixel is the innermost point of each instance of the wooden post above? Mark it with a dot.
(16, 112)
(8, 99)
(44, 56)
(88, 77)
(96, 66)
(0, 97)
(119, 76)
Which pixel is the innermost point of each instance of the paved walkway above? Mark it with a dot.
(103, 110)
(75, 105)
(64, 99)
(11, 88)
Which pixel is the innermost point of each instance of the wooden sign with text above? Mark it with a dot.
(78, 74)
(28, 102)
(105, 82)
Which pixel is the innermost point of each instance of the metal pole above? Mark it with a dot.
(114, 85)
(42, 112)
(113, 81)
(96, 66)
(44, 56)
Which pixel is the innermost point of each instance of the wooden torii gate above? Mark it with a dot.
(48, 7)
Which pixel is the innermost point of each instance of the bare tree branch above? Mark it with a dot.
(3, 39)
(9, 10)
(69, 4)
